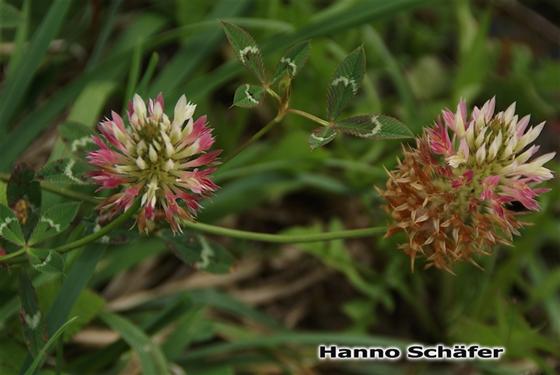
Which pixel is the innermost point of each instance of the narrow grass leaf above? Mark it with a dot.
(17, 84)
(152, 359)
(77, 279)
(40, 358)
(142, 86)
(20, 38)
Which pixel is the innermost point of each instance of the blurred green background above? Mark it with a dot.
(269, 306)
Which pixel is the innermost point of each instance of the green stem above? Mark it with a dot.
(255, 137)
(74, 195)
(285, 238)
(273, 93)
(101, 232)
(309, 116)
(15, 254)
(15, 258)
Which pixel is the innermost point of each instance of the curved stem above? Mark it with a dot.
(285, 238)
(273, 93)
(255, 137)
(101, 232)
(74, 195)
(15, 256)
(308, 116)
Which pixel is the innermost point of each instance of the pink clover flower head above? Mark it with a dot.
(165, 163)
(453, 193)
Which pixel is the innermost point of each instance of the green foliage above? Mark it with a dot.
(321, 136)
(152, 359)
(199, 252)
(247, 96)
(55, 220)
(9, 226)
(293, 61)
(246, 49)
(374, 126)
(346, 82)
(207, 304)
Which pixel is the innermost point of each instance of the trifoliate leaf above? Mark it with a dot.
(346, 82)
(321, 136)
(374, 126)
(293, 60)
(197, 251)
(53, 262)
(65, 171)
(9, 226)
(77, 137)
(246, 49)
(54, 221)
(247, 96)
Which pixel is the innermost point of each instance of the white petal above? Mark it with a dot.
(180, 112)
(153, 154)
(481, 155)
(139, 106)
(529, 137)
(508, 114)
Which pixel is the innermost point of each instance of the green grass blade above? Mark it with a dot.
(20, 38)
(133, 75)
(16, 85)
(39, 359)
(291, 338)
(75, 282)
(108, 22)
(152, 359)
(195, 49)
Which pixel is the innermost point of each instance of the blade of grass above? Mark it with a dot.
(20, 39)
(195, 49)
(165, 315)
(151, 357)
(17, 84)
(291, 338)
(133, 74)
(374, 41)
(148, 74)
(108, 22)
(357, 15)
(38, 120)
(40, 358)
(77, 279)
